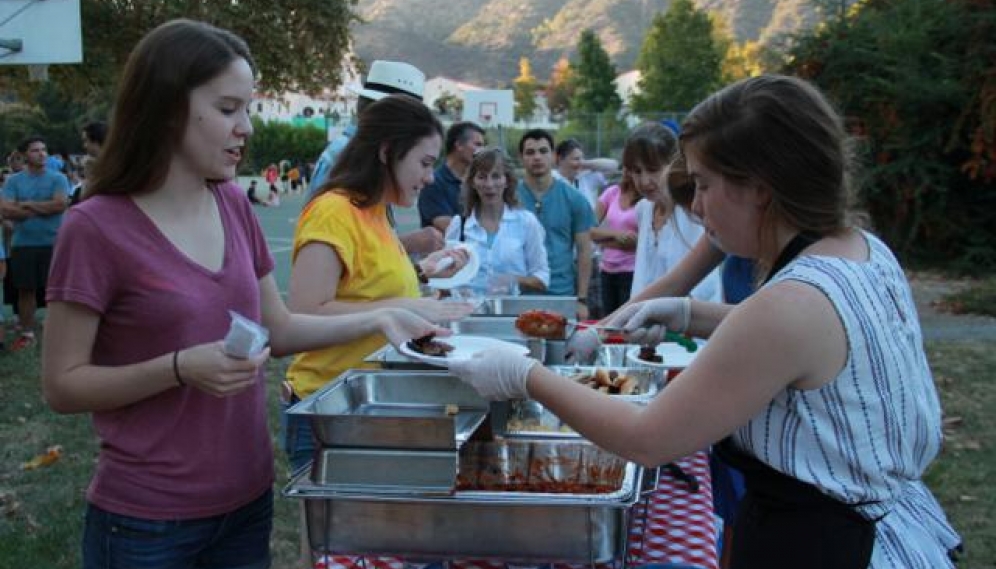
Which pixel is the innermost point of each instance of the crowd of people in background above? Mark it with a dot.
(671, 237)
(36, 188)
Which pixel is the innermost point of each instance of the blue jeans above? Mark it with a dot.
(237, 540)
(299, 438)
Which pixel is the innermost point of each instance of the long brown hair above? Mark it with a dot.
(153, 102)
(650, 145)
(781, 133)
(486, 160)
(397, 122)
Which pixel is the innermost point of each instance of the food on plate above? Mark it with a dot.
(542, 324)
(429, 346)
(608, 381)
(649, 354)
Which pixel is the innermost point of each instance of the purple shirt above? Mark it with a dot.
(182, 453)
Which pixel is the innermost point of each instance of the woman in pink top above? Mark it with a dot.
(146, 271)
(616, 235)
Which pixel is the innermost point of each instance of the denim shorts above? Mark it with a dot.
(237, 540)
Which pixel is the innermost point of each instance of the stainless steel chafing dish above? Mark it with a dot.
(578, 525)
(391, 431)
(516, 305)
(528, 418)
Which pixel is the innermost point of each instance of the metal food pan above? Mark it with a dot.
(500, 327)
(394, 409)
(516, 305)
(529, 418)
(513, 526)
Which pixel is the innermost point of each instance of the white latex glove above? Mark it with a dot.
(582, 347)
(647, 322)
(496, 374)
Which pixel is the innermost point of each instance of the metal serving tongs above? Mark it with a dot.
(669, 336)
(599, 327)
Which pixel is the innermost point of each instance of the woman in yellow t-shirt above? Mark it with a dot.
(347, 257)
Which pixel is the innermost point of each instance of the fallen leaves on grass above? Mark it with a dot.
(50, 455)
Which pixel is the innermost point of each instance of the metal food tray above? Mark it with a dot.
(516, 305)
(529, 418)
(394, 410)
(479, 524)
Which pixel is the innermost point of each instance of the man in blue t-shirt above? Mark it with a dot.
(440, 201)
(34, 200)
(565, 215)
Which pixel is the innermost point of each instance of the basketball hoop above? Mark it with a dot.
(38, 73)
(486, 120)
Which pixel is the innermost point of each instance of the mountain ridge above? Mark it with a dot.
(481, 41)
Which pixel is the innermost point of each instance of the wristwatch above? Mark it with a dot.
(583, 299)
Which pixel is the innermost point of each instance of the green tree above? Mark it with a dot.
(916, 81)
(275, 141)
(560, 88)
(54, 116)
(525, 87)
(679, 62)
(297, 44)
(594, 78)
(449, 104)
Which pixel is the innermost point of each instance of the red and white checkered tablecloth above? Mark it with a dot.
(679, 528)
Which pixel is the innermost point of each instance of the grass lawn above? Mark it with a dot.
(41, 509)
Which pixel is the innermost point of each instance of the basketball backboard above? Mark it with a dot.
(40, 32)
(489, 107)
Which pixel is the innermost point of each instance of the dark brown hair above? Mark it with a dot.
(679, 183)
(398, 122)
(650, 145)
(485, 160)
(153, 102)
(782, 133)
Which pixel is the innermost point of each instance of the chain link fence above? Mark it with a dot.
(600, 135)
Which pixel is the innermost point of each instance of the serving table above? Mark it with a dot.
(679, 528)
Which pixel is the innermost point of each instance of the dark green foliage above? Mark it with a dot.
(916, 80)
(297, 44)
(680, 62)
(593, 76)
(55, 117)
(272, 142)
(600, 135)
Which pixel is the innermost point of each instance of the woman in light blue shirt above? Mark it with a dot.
(508, 240)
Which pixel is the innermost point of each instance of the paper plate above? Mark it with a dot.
(464, 275)
(463, 347)
(675, 356)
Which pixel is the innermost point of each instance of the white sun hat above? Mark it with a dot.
(388, 77)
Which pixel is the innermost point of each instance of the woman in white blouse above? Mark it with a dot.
(666, 232)
(508, 240)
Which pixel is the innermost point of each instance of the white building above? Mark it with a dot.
(440, 86)
(338, 104)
